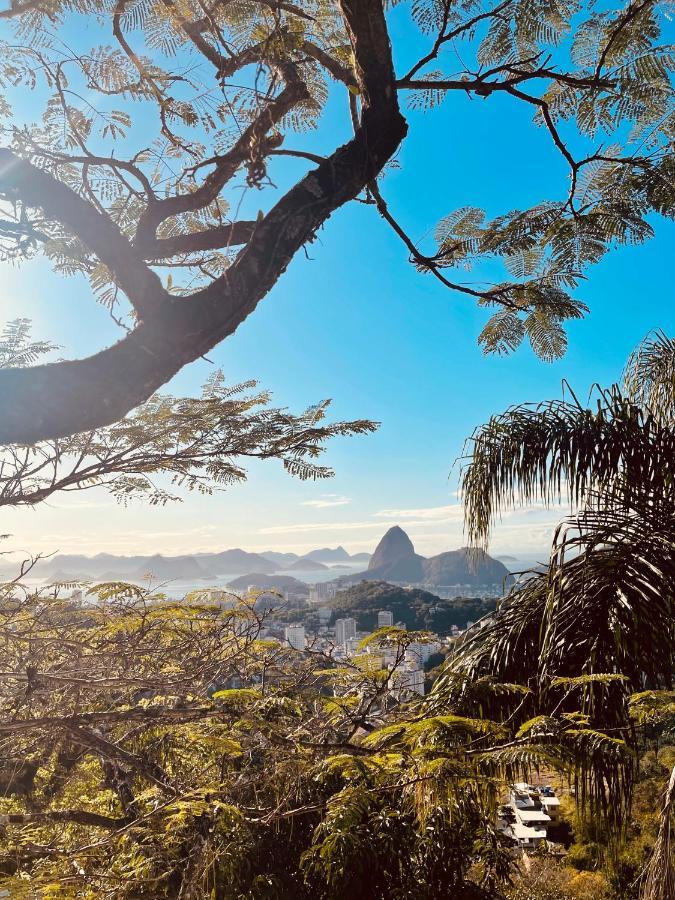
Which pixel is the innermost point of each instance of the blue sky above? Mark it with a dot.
(357, 323)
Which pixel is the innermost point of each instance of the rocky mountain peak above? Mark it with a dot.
(393, 547)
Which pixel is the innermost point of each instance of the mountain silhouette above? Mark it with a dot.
(395, 559)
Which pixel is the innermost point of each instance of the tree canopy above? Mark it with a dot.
(122, 145)
(158, 748)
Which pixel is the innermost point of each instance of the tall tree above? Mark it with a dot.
(597, 625)
(126, 173)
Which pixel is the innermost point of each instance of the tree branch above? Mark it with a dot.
(86, 737)
(20, 180)
(250, 147)
(337, 69)
(444, 37)
(75, 816)
(64, 398)
(216, 238)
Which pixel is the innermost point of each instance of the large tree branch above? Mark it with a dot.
(20, 180)
(216, 238)
(75, 816)
(63, 398)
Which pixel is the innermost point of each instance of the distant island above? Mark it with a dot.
(265, 582)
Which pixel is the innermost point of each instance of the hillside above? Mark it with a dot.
(464, 567)
(269, 582)
(305, 564)
(417, 609)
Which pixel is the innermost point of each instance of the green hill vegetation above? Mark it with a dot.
(417, 609)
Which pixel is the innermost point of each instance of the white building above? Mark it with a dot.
(551, 803)
(344, 630)
(295, 636)
(322, 591)
(351, 646)
(385, 618)
(533, 810)
(418, 652)
(407, 680)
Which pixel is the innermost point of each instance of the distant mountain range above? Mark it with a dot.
(193, 567)
(395, 559)
(326, 556)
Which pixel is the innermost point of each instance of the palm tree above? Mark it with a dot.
(597, 624)
(611, 581)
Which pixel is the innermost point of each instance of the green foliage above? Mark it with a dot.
(163, 748)
(414, 608)
(168, 443)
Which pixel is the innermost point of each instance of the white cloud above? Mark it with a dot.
(443, 513)
(327, 500)
(323, 526)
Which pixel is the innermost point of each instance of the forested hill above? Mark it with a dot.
(416, 608)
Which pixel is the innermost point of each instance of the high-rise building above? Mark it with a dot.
(344, 630)
(418, 652)
(385, 618)
(322, 591)
(407, 681)
(295, 636)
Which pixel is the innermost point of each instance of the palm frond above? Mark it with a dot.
(649, 376)
(558, 450)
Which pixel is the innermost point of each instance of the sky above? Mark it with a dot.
(352, 320)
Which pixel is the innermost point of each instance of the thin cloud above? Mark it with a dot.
(430, 512)
(324, 526)
(326, 501)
